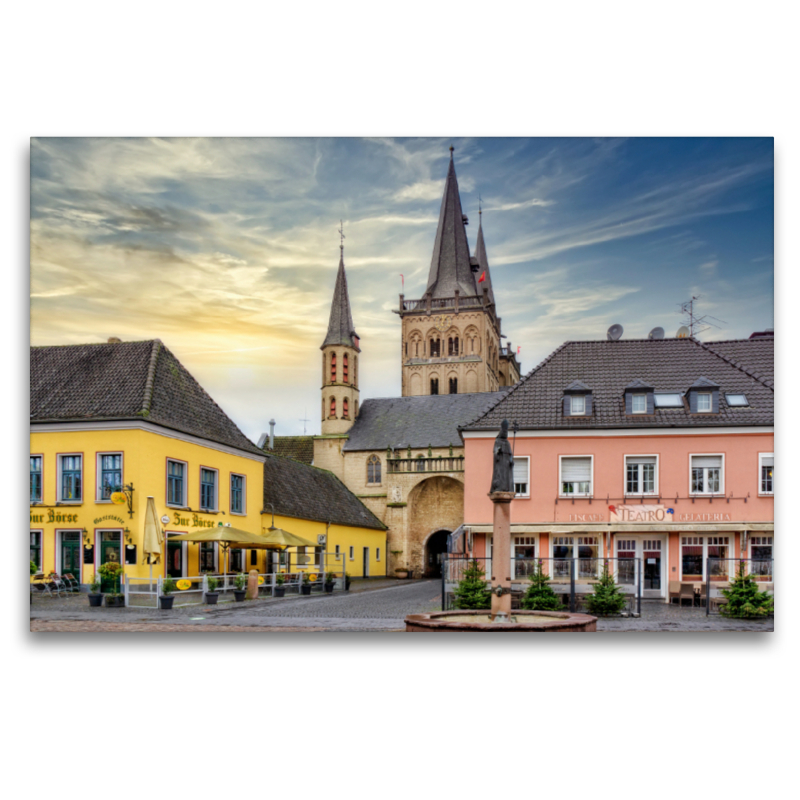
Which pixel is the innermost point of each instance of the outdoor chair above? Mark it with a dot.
(674, 590)
(56, 584)
(39, 585)
(701, 596)
(71, 582)
(686, 592)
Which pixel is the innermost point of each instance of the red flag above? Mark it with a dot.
(482, 277)
(518, 349)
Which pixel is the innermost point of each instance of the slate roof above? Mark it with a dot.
(126, 381)
(417, 421)
(757, 356)
(670, 365)
(483, 265)
(450, 267)
(298, 448)
(340, 325)
(299, 490)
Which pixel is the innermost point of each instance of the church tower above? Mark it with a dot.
(340, 362)
(451, 337)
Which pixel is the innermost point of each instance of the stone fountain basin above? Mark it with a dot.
(522, 622)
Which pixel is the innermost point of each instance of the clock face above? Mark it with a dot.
(442, 323)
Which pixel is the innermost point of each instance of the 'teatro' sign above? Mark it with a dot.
(641, 513)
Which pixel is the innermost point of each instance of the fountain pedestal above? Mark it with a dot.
(501, 553)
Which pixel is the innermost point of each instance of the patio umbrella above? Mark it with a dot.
(224, 535)
(277, 537)
(153, 536)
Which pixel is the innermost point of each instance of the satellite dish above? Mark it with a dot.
(614, 332)
(656, 333)
(683, 332)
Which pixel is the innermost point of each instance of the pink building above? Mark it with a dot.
(661, 450)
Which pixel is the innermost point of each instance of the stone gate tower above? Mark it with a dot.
(451, 337)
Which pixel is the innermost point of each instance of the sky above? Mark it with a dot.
(227, 249)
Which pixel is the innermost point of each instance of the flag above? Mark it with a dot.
(482, 277)
(519, 347)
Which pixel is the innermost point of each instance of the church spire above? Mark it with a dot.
(340, 327)
(483, 263)
(450, 268)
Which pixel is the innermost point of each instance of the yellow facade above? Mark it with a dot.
(145, 451)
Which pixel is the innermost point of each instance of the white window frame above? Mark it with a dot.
(185, 498)
(591, 476)
(528, 473)
(573, 412)
(761, 457)
(728, 396)
(59, 484)
(98, 489)
(710, 397)
(625, 491)
(243, 512)
(634, 398)
(215, 507)
(705, 544)
(705, 477)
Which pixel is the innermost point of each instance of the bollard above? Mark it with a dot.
(252, 585)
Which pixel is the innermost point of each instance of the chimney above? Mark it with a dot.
(114, 340)
(272, 434)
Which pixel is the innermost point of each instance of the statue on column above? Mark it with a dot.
(503, 473)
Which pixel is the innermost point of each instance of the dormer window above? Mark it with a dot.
(639, 404)
(578, 405)
(577, 400)
(703, 402)
(703, 396)
(639, 398)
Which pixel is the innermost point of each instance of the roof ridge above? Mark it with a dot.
(770, 384)
(151, 375)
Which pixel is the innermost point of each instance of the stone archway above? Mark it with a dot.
(435, 546)
(435, 505)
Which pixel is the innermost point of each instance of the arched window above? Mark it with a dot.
(373, 469)
(450, 346)
(453, 385)
(345, 409)
(333, 406)
(333, 367)
(434, 386)
(344, 368)
(435, 348)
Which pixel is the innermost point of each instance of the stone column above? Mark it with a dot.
(252, 585)
(501, 552)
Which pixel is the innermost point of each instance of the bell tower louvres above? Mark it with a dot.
(340, 352)
(451, 337)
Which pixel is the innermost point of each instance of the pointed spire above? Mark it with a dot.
(450, 269)
(340, 327)
(483, 263)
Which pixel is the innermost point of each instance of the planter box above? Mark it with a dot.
(166, 601)
(114, 602)
(239, 594)
(305, 589)
(95, 600)
(279, 591)
(211, 598)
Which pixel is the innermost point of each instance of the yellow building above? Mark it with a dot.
(114, 423)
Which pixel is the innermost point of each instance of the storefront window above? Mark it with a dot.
(36, 548)
(761, 556)
(626, 565)
(236, 557)
(207, 552)
(695, 552)
(524, 554)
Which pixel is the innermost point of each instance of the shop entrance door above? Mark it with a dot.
(110, 549)
(71, 554)
(651, 553)
(175, 559)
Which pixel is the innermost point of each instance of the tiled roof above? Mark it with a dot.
(298, 448)
(755, 356)
(417, 421)
(669, 365)
(305, 492)
(340, 325)
(126, 381)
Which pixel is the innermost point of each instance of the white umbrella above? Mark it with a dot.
(153, 537)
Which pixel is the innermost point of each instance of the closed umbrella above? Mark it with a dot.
(153, 536)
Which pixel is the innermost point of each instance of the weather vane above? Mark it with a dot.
(480, 209)
(341, 234)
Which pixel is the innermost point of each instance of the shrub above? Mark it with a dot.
(745, 601)
(606, 597)
(168, 585)
(280, 579)
(212, 584)
(240, 581)
(95, 586)
(539, 595)
(34, 569)
(471, 591)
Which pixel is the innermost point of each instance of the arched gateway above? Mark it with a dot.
(435, 547)
(436, 507)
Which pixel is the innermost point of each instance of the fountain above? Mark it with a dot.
(501, 617)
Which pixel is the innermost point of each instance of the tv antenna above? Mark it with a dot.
(694, 323)
(305, 410)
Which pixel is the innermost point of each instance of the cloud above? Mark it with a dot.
(709, 267)
(524, 204)
(421, 190)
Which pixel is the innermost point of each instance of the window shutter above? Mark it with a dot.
(651, 403)
(576, 469)
(766, 461)
(693, 402)
(520, 470)
(641, 459)
(628, 403)
(706, 461)
(715, 401)
(588, 401)
(567, 405)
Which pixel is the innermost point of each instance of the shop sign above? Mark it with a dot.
(53, 516)
(586, 518)
(194, 521)
(641, 513)
(98, 520)
(704, 517)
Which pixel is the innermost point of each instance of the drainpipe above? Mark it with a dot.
(272, 434)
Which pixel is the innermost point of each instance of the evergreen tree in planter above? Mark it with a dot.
(606, 598)
(745, 601)
(471, 591)
(539, 595)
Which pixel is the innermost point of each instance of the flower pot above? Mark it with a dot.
(95, 600)
(279, 591)
(166, 601)
(305, 588)
(329, 587)
(211, 598)
(401, 573)
(347, 585)
(239, 595)
(114, 602)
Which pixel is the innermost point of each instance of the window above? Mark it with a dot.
(453, 385)
(703, 402)
(576, 476)
(344, 368)
(337, 552)
(434, 386)
(208, 557)
(640, 474)
(452, 346)
(109, 473)
(352, 552)
(564, 550)
(176, 483)
(237, 494)
(695, 552)
(766, 463)
(254, 558)
(523, 555)
(377, 554)
(36, 479)
(577, 405)
(71, 479)
(760, 554)
(345, 409)
(36, 549)
(420, 463)
(521, 476)
(735, 400)
(333, 407)
(373, 469)
(639, 404)
(668, 400)
(707, 475)
(626, 566)
(208, 489)
(435, 347)
(236, 559)
(333, 367)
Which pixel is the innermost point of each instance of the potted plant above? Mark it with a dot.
(167, 588)
(401, 572)
(330, 579)
(305, 586)
(115, 600)
(95, 595)
(240, 584)
(212, 595)
(347, 580)
(280, 589)
(110, 577)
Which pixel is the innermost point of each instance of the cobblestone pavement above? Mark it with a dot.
(374, 606)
